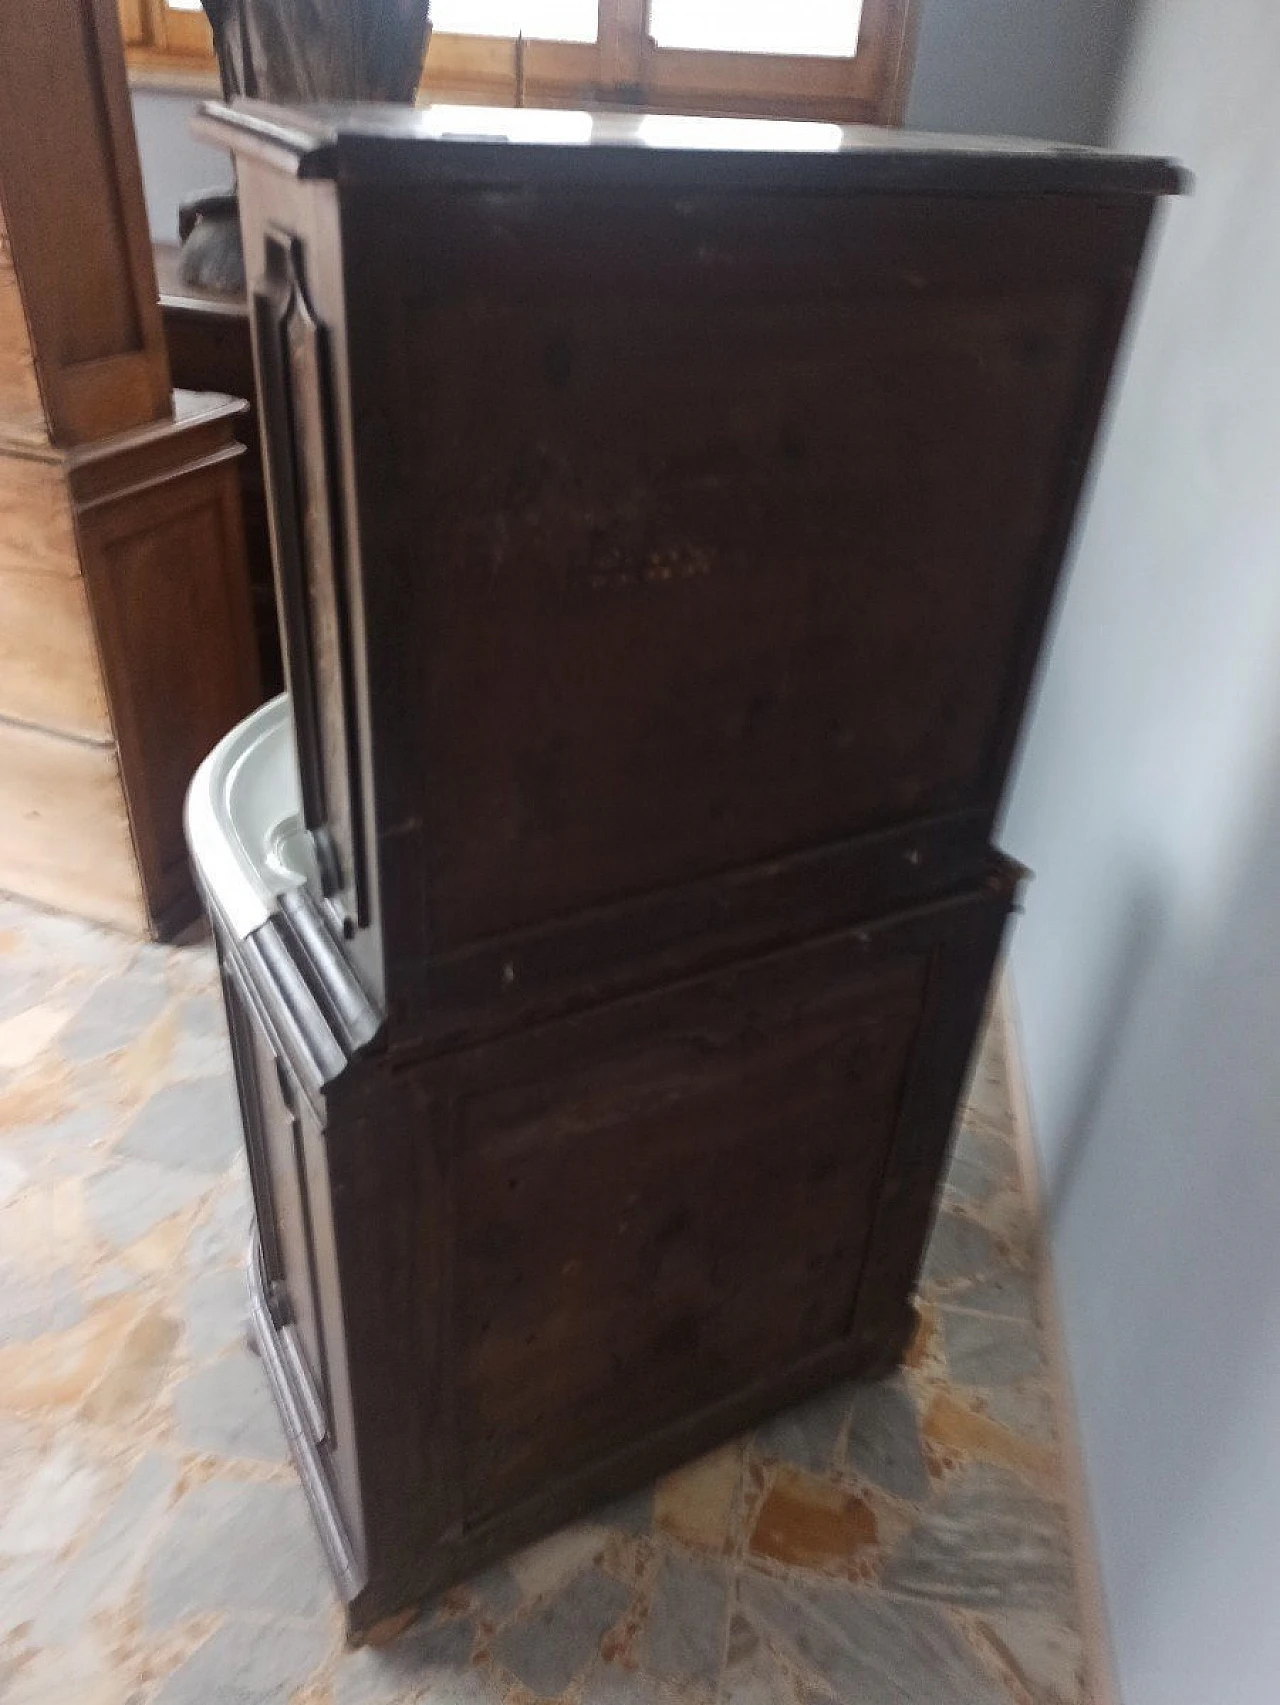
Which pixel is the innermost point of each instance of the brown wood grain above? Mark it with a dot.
(49, 673)
(76, 218)
(64, 832)
(37, 522)
(21, 408)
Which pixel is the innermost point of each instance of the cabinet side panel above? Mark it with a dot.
(959, 988)
(703, 530)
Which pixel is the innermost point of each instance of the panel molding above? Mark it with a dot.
(305, 502)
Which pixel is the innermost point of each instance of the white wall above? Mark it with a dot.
(1147, 968)
(1042, 68)
(1000, 67)
(174, 164)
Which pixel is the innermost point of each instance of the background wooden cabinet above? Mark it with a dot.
(125, 643)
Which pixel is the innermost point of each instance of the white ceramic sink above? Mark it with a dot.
(243, 822)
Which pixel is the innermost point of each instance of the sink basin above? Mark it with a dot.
(243, 820)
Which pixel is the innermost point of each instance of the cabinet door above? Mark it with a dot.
(284, 1140)
(673, 1202)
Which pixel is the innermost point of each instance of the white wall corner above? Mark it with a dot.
(1102, 1687)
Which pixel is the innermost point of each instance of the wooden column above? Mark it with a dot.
(125, 642)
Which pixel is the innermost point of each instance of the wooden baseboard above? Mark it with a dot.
(1100, 1672)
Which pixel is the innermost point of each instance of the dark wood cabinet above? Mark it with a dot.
(207, 337)
(664, 538)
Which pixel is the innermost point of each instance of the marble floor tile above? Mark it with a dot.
(546, 1648)
(989, 1542)
(428, 1654)
(981, 1350)
(225, 1409)
(902, 1543)
(961, 1251)
(129, 1198)
(35, 1304)
(245, 1663)
(115, 1014)
(884, 1446)
(687, 1620)
(1043, 1657)
(216, 1311)
(697, 1503)
(237, 1546)
(1025, 1409)
(755, 1674)
(808, 1436)
(870, 1646)
(55, 1502)
(543, 1568)
(611, 1684)
(982, 1163)
(190, 1126)
(814, 1522)
(101, 1572)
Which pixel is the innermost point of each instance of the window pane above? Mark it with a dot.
(541, 20)
(547, 20)
(825, 27)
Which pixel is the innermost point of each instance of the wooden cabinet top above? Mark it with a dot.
(376, 143)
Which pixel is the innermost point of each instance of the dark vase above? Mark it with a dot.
(293, 52)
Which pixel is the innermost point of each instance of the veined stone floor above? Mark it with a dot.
(900, 1544)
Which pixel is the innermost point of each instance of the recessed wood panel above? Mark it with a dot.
(277, 1138)
(672, 1218)
(165, 569)
(49, 670)
(64, 833)
(59, 74)
(71, 186)
(729, 539)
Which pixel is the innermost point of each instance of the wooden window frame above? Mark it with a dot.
(623, 67)
(157, 39)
